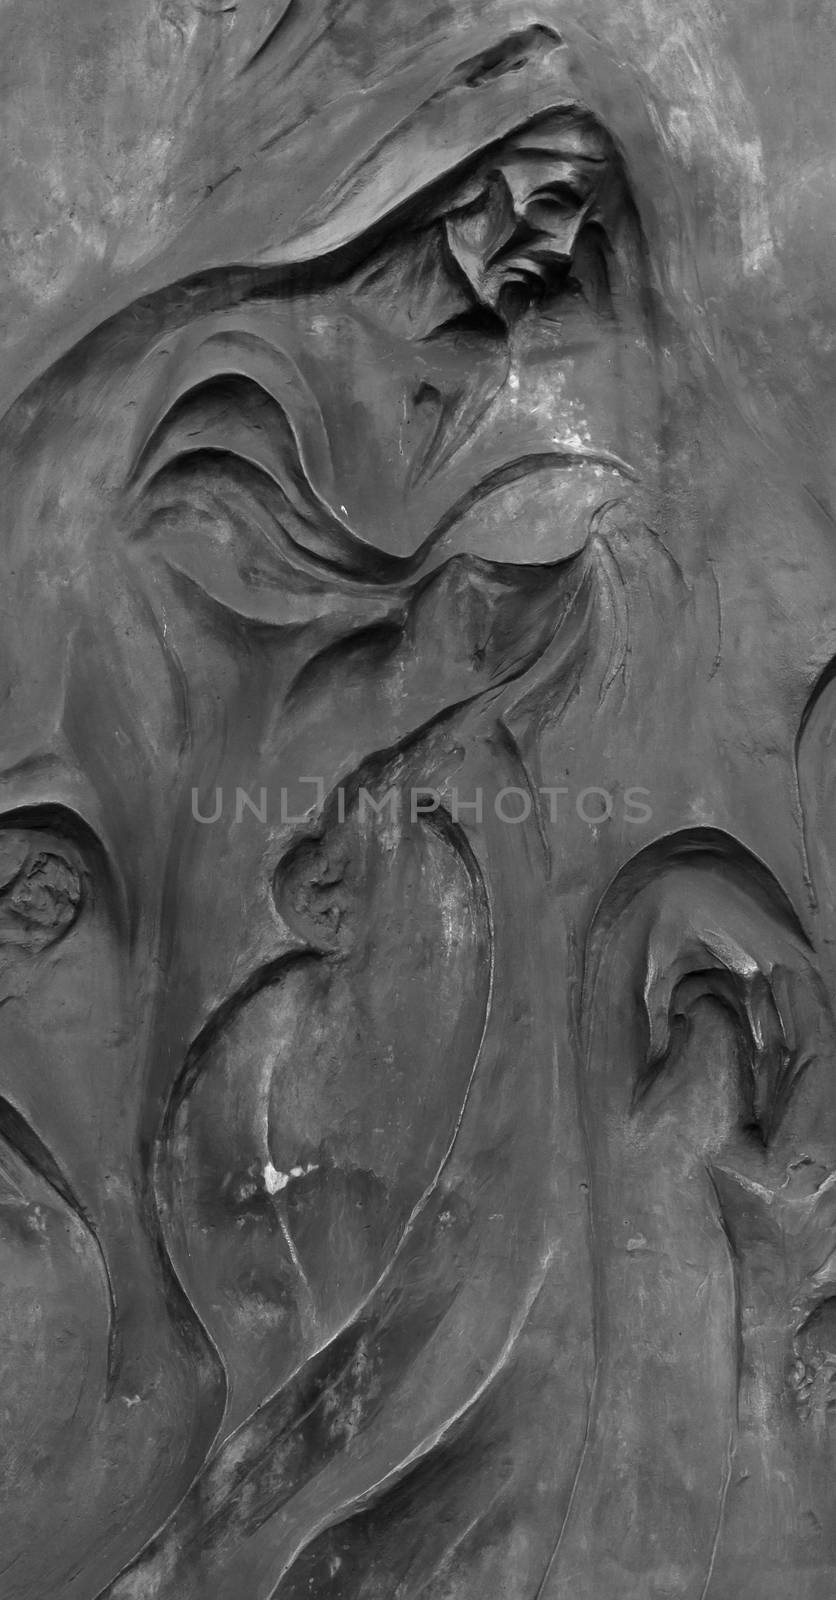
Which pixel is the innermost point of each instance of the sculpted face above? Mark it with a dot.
(338, 1053)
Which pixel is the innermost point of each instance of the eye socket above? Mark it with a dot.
(550, 206)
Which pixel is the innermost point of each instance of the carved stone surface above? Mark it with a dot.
(417, 850)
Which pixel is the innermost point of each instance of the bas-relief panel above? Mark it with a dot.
(417, 1127)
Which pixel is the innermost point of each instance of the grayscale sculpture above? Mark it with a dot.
(417, 1124)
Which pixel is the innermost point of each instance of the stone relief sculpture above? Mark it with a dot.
(417, 1128)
